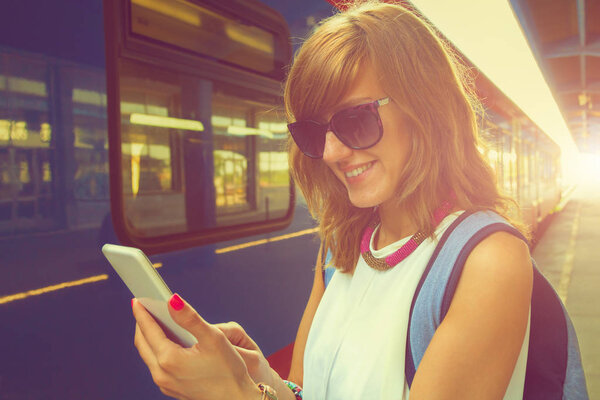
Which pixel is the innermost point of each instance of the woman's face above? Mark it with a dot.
(371, 176)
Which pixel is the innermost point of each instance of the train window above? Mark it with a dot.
(214, 34)
(27, 148)
(526, 166)
(85, 100)
(500, 151)
(491, 136)
(197, 144)
(509, 161)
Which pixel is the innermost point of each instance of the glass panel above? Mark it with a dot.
(492, 137)
(199, 154)
(86, 96)
(274, 177)
(509, 160)
(9, 188)
(150, 134)
(231, 153)
(195, 28)
(26, 146)
(91, 176)
(526, 167)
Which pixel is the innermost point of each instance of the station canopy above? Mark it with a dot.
(565, 38)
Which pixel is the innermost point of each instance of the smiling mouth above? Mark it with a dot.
(359, 170)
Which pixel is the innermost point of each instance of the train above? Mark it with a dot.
(159, 124)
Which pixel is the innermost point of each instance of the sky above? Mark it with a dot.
(488, 33)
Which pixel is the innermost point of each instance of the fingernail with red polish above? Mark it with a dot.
(132, 302)
(176, 302)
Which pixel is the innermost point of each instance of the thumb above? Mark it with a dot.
(185, 316)
(247, 355)
(237, 335)
(257, 365)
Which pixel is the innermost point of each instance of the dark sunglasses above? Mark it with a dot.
(357, 127)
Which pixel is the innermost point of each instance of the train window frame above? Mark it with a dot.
(124, 46)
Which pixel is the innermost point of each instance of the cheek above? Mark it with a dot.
(397, 151)
(333, 171)
(396, 141)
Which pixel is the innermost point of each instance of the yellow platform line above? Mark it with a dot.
(567, 269)
(53, 288)
(264, 241)
(48, 289)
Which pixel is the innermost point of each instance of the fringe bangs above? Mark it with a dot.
(323, 71)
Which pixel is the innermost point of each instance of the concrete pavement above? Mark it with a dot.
(568, 254)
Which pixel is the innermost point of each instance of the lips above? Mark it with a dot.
(356, 171)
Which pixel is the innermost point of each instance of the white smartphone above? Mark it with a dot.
(148, 287)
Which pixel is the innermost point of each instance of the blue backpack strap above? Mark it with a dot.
(554, 369)
(328, 271)
(439, 280)
(575, 386)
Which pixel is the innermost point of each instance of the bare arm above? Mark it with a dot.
(297, 368)
(473, 352)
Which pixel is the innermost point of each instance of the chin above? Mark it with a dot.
(370, 198)
(364, 202)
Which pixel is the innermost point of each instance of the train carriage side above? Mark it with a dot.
(525, 160)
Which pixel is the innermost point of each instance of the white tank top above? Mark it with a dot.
(357, 341)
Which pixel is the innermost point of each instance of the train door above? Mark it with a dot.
(28, 188)
(85, 153)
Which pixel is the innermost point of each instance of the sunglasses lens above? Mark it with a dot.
(357, 128)
(309, 136)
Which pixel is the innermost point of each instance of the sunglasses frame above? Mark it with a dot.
(373, 106)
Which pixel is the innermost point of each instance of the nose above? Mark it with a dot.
(334, 149)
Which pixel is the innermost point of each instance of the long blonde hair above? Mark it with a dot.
(424, 78)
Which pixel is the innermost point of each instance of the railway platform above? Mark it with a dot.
(568, 255)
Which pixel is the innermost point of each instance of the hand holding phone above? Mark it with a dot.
(147, 286)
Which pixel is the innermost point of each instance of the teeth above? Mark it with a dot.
(359, 170)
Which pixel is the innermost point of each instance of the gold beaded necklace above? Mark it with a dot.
(389, 262)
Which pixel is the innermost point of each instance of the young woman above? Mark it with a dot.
(385, 151)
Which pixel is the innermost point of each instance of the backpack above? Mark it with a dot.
(554, 369)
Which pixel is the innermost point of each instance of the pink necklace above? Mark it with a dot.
(383, 264)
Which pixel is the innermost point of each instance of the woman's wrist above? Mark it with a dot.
(295, 388)
(283, 390)
(250, 391)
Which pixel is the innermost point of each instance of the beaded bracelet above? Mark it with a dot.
(297, 390)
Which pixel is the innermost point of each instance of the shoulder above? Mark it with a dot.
(485, 326)
(498, 273)
(499, 255)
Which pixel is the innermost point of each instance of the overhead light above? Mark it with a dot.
(251, 36)
(183, 12)
(166, 122)
(245, 131)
